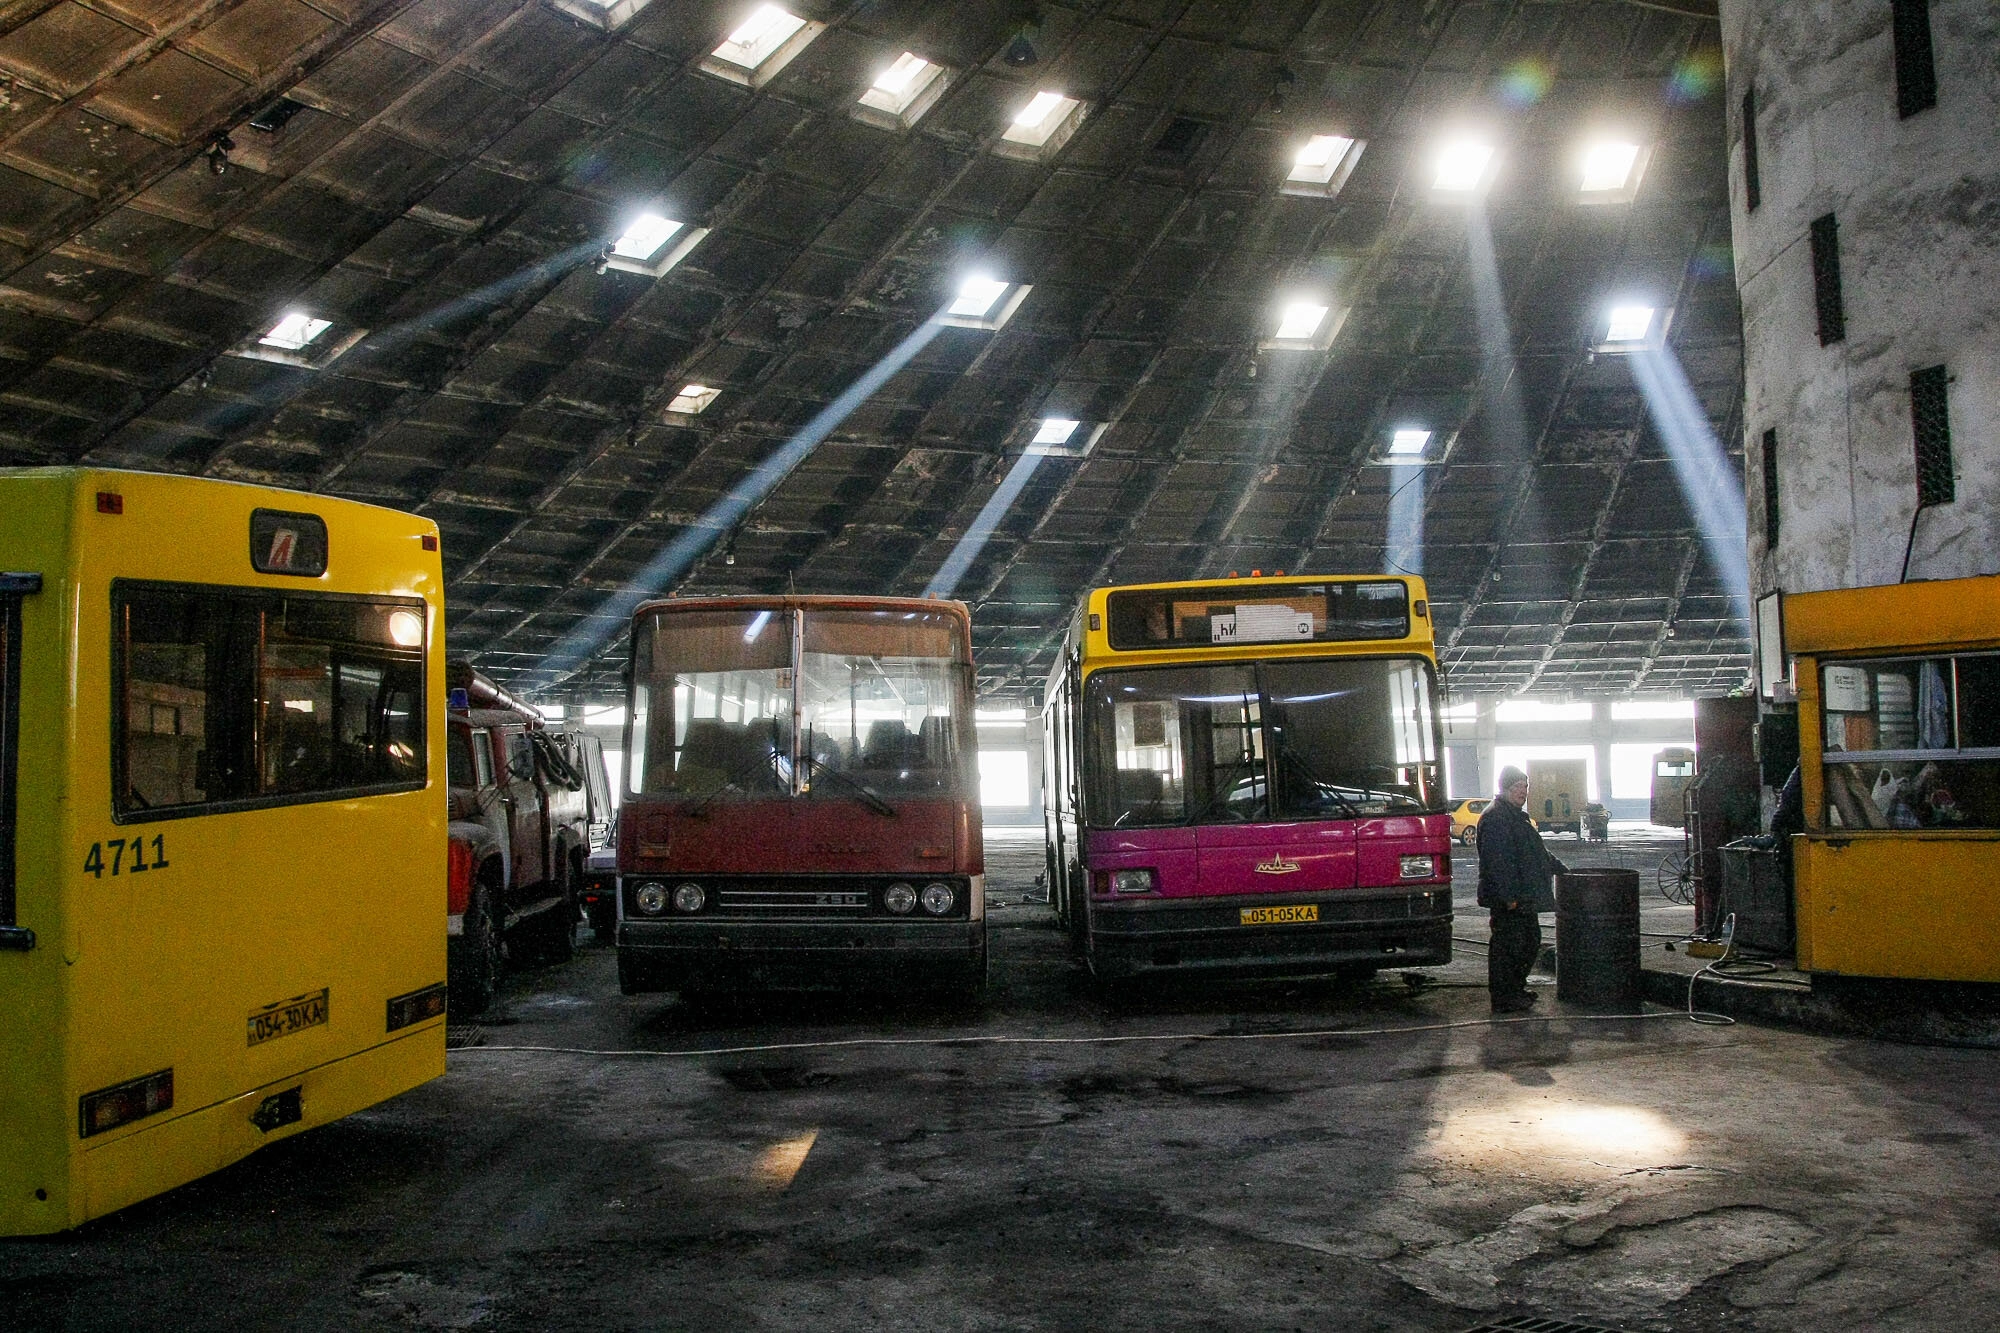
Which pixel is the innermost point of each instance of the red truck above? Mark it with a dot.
(520, 830)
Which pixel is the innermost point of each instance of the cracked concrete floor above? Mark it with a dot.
(1633, 1173)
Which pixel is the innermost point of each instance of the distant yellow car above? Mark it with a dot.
(1465, 819)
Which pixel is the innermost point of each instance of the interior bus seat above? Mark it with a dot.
(1143, 791)
(704, 759)
(934, 741)
(891, 745)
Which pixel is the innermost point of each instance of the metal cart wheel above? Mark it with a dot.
(1676, 879)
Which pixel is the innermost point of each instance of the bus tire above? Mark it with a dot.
(1077, 899)
(474, 971)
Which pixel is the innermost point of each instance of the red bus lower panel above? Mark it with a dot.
(782, 955)
(1211, 937)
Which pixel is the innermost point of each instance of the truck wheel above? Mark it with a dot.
(473, 970)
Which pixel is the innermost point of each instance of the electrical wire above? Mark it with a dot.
(999, 1039)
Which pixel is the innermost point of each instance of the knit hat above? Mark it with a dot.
(1509, 776)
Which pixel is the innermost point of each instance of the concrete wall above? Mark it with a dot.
(1918, 208)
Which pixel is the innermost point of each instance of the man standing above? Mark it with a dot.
(1514, 872)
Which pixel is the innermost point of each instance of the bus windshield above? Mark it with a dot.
(1303, 739)
(879, 697)
(877, 702)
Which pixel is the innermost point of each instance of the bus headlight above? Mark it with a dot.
(689, 898)
(899, 898)
(938, 898)
(1419, 867)
(650, 898)
(1131, 881)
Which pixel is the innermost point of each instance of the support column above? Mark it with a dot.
(1600, 744)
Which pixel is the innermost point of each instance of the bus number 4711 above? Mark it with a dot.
(112, 855)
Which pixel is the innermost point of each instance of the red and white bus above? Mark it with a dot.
(1243, 779)
(802, 803)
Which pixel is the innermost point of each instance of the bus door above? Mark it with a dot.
(1264, 831)
(12, 588)
(521, 799)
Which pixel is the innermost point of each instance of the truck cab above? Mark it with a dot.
(519, 833)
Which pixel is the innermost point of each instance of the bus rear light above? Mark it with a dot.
(899, 898)
(1419, 867)
(1132, 881)
(108, 1108)
(458, 879)
(689, 897)
(938, 898)
(650, 897)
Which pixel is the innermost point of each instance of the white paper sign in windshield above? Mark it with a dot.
(1260, 624)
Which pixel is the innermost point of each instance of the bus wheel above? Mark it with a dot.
(474, 970)
(1078, 902)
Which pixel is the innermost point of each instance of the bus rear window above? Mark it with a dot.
(1225, 616)
(228, 696)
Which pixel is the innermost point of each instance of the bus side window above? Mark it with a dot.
(166, 686)
(233, 694)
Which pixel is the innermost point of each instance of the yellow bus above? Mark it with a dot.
(1244, 780)
(222, 827)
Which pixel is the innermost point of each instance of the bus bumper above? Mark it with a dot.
(1207, 937)
(790, 955)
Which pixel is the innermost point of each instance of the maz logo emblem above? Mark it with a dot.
(1277, 865)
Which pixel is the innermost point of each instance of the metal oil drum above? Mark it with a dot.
(1597, 939)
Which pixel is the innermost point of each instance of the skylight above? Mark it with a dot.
(1065, 437)
(692, 399)
(651, 244)
(976, 296)
(645, 236)
(1629, 324)
(1300, 321)
(294, 331)
(1320, 158)
(902, 93)
(983, 302)
(1042, 126)
(300, 339)
(609, 15)
(1608, 167)
(1408, 441)
(1461, 166)
(1056, 430)
(761, 46)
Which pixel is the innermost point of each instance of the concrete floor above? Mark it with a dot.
(1183, 1162)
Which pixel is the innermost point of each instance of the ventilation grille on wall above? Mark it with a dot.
(1916, 74)
(1753, 188)
(1930, 422)
(1770, 488)
(1826, 280)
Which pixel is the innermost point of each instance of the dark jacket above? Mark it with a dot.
(1514, 867)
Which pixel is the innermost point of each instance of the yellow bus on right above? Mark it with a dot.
(1898, 870)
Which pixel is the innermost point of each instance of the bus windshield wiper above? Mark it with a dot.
(871, 798)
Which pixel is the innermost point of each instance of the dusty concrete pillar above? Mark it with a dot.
(1862, 138)
(1601, 732)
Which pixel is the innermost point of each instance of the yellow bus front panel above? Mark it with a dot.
(188, 957)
